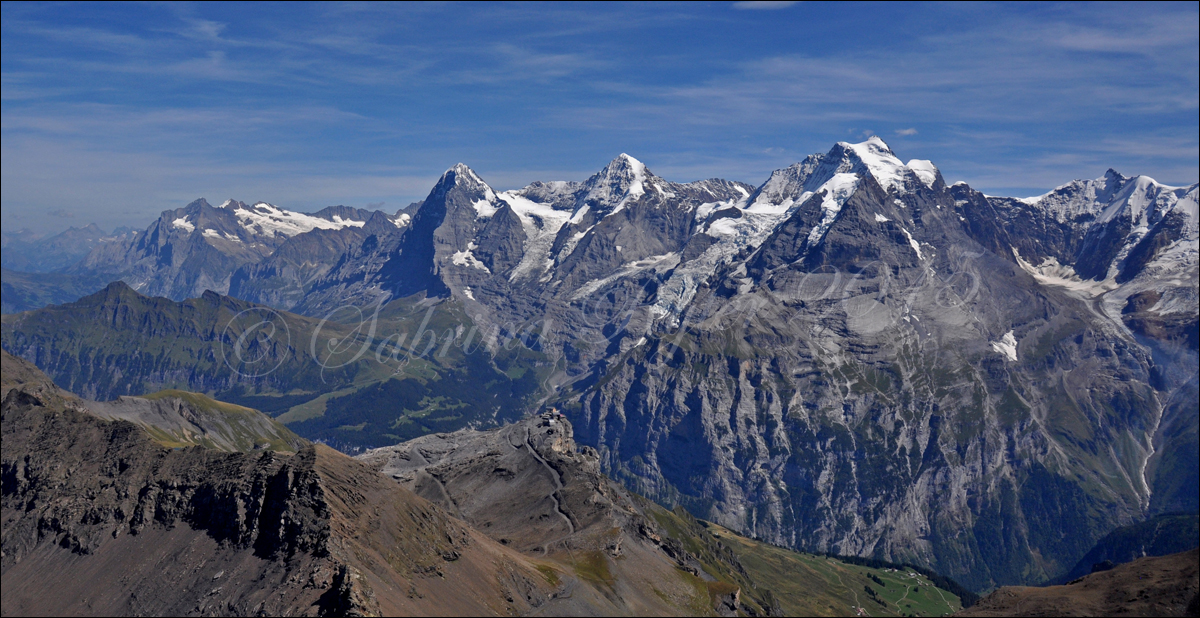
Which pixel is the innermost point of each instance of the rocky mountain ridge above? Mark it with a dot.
(852, 357)
(101, 516)
(98, 519)
(199, 247)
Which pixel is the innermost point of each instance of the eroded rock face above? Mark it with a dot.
(852, 357)
(98, 519)
(531, 487)
(886, 385)
(527, 484)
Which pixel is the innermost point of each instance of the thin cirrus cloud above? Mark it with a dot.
(114, 110)
(763, 5)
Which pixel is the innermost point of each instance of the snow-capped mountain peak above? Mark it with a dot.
(462, 178)
(880, 162)
(794, 184)
(463, 173)
(607, 191)
(259, 219)
(269, 219)
(886, 167)
(1141, 198)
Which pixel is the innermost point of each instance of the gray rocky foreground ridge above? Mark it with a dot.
(852, 357)
(110, 510)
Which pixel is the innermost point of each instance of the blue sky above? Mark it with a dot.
(112, 113)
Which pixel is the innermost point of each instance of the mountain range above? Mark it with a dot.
(852, 357)
(145, 506)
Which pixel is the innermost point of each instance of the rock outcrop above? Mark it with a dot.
(530, 487)
(99, 519)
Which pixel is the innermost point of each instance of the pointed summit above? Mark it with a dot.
(462, 175)
(622, 179)
(794, 184)
(464, 182)
(623, 171)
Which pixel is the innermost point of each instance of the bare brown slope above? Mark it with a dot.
(530, 487)
(1159, 586)
(99, 519)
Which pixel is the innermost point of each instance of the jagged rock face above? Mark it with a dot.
(850, 357)
(530, 487)
(284, 278)
(441, 229)
(850, 387)
(1110, 228)
(100, 520)
(548, 245)
(1128, 246)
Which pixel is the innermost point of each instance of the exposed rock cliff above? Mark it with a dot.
(99, 519)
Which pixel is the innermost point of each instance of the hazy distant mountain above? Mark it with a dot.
(57, 253)
(23, 291)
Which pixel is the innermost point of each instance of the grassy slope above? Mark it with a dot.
(247, 429)
(800, 584)
(118, 342)
(811, 585)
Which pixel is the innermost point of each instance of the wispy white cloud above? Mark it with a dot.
(313, 101)
(763, 5)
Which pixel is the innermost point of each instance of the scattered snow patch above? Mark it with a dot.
(274, 220)
(1051, 273)
(666, 260)
(913, 243)
(1006, 346)
(466, 258)
(925, 171)
(880, 218)
(485, 208)
(837, 191)
(183, 224)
